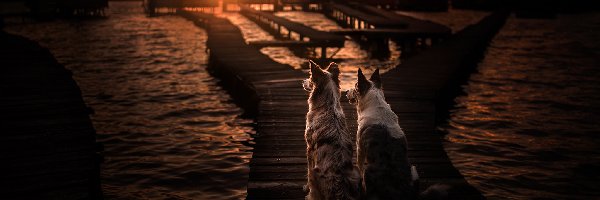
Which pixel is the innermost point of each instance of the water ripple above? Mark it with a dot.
(169, 131)
(527, 126)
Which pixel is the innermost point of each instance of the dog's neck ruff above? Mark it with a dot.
(329, 97)
(373, 109)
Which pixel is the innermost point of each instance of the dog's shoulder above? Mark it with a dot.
(382, 136)
(378, 132)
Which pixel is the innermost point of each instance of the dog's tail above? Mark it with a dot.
(435, 192)
(346, 185)
(353, 183)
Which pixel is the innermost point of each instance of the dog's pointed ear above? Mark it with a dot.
(376, 79)
(315, 71)
(334, 69)
(363, 84)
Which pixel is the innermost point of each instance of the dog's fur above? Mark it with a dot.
(331, 174)
(381, 144)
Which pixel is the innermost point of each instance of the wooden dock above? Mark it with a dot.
(357, 19)
(275, 5)
(427, 27)
(377, 26)
(306, 35)
(155, 7)
(48, 144)
(273, 92)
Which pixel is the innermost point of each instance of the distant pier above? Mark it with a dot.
(156, 7)
(306, 36)
(272, 92)
(379, 26)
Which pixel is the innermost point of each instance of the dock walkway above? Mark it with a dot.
(379, 25)
(357, 19)
(47, 142)
(275, 24)
(273, 92)
(414, 24)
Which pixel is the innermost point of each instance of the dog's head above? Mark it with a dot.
(321, 81)
(363, 86)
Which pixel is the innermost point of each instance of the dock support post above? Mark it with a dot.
(305, 7)
(323, 53)
(278, 29)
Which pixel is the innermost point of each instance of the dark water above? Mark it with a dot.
(528, 126)
(169, 131)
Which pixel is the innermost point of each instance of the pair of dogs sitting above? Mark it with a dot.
(384, 171)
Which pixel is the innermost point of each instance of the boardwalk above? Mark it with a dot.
(273, 92)
(47, 141)
(413, 24)
(357, 19)
(378, 26)
(274, 24)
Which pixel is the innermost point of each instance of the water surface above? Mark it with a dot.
(527, 127)
(169, 131)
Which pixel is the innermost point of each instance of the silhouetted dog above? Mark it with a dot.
(331, 174)
(381, 144)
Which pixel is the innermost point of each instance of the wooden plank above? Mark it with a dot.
(324, 38)
(377, 21)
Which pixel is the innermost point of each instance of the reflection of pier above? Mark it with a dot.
(416, 90)
(299, 33)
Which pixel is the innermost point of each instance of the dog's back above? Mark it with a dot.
(387, 174)
(335, 173)
(331, 174)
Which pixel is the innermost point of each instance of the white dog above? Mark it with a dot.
(381, 144)
(331, 174)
